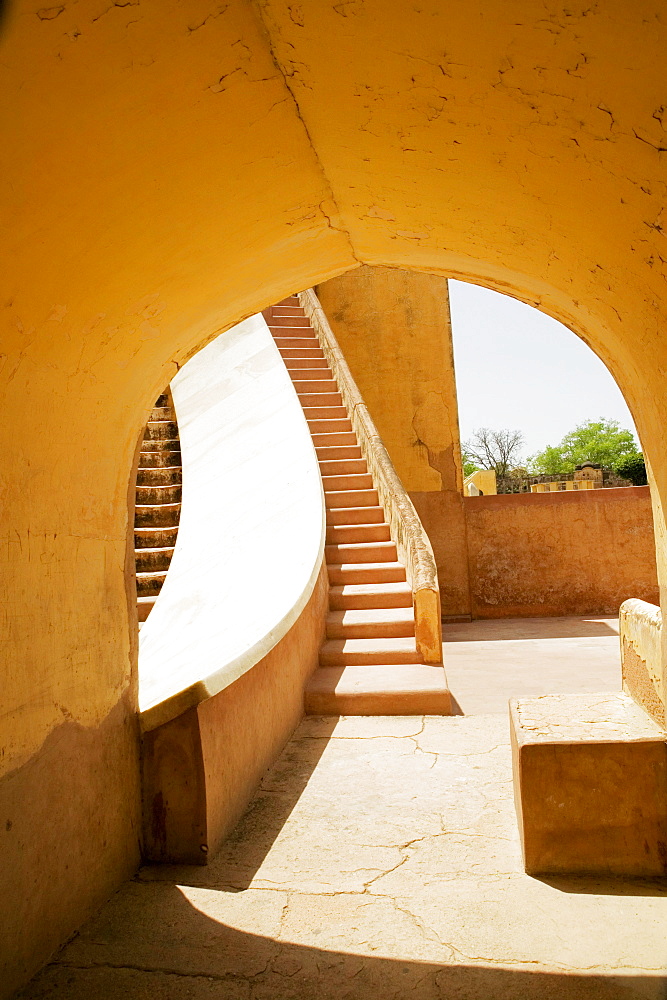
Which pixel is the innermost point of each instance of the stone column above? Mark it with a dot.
(394, 329)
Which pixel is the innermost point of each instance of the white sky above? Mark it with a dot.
(519, 369)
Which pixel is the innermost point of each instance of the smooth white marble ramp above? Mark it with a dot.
(251, 536)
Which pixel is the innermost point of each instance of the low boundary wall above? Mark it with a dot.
(549, 554)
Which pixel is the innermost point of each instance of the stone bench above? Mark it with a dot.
(590, 785)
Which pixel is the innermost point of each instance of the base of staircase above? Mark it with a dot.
(392, 689)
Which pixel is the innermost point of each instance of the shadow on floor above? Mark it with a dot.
(234, 866)
(157, 944)
(607, 885)
(496, 630)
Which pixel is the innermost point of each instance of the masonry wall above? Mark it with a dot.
(560, 553)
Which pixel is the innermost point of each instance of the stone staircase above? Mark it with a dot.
(369, 663)
(158, 503)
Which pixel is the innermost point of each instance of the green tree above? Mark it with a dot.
(633, 469)
(601, 441)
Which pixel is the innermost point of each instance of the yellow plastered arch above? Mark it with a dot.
(171, 168)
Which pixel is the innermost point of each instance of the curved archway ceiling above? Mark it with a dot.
(516, 141)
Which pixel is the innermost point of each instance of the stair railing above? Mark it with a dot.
(407, 531)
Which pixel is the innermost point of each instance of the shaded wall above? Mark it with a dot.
(533, 554)
(202, 768)
(394, 328)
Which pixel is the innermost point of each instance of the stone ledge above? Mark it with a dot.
(640, 626)
(390, 689)
(590, 785)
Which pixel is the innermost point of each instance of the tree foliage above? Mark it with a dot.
(633, 469)
(489, 449)
(601, 441)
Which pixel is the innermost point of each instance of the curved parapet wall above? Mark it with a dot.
(251, 536)
(236, 630)
(640, 628)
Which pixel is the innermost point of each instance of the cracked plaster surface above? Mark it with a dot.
(379, 858)
(576, 717)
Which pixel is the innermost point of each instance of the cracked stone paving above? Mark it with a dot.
(380, 858)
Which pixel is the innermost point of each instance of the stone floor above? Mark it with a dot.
(378, 861)
(488, 662)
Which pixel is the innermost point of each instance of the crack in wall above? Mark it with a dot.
(287, 77)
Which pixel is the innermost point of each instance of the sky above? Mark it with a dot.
(519, 369)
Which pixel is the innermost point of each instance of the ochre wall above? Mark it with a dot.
(172, 169)
(141, 216)
(568, 553)
(394, 328)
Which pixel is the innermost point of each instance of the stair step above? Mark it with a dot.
(303, 377)
(338, 534)
(387, 689)
(145, 606)
(159, 459)
(166, 515)
(351, 498)
(153, 560)
(153, 445)
(373, 595)
(294, 319)
(334, 453)
(162, 413)
(336, 425)
(164, 475)
(306, 366)
(359, 652)
(351, 481)
(368, 623)
(324, 413)
(332, 439)
(343, 466)
(160, 430)
(302, 353)
(360, 552)
(315, 398)
(344, 573)
(283, 342)
(146, 495)
(149, 584)
(315, 383)
(297, 321)
(152, 537)
(301, 334)
(355, 515)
